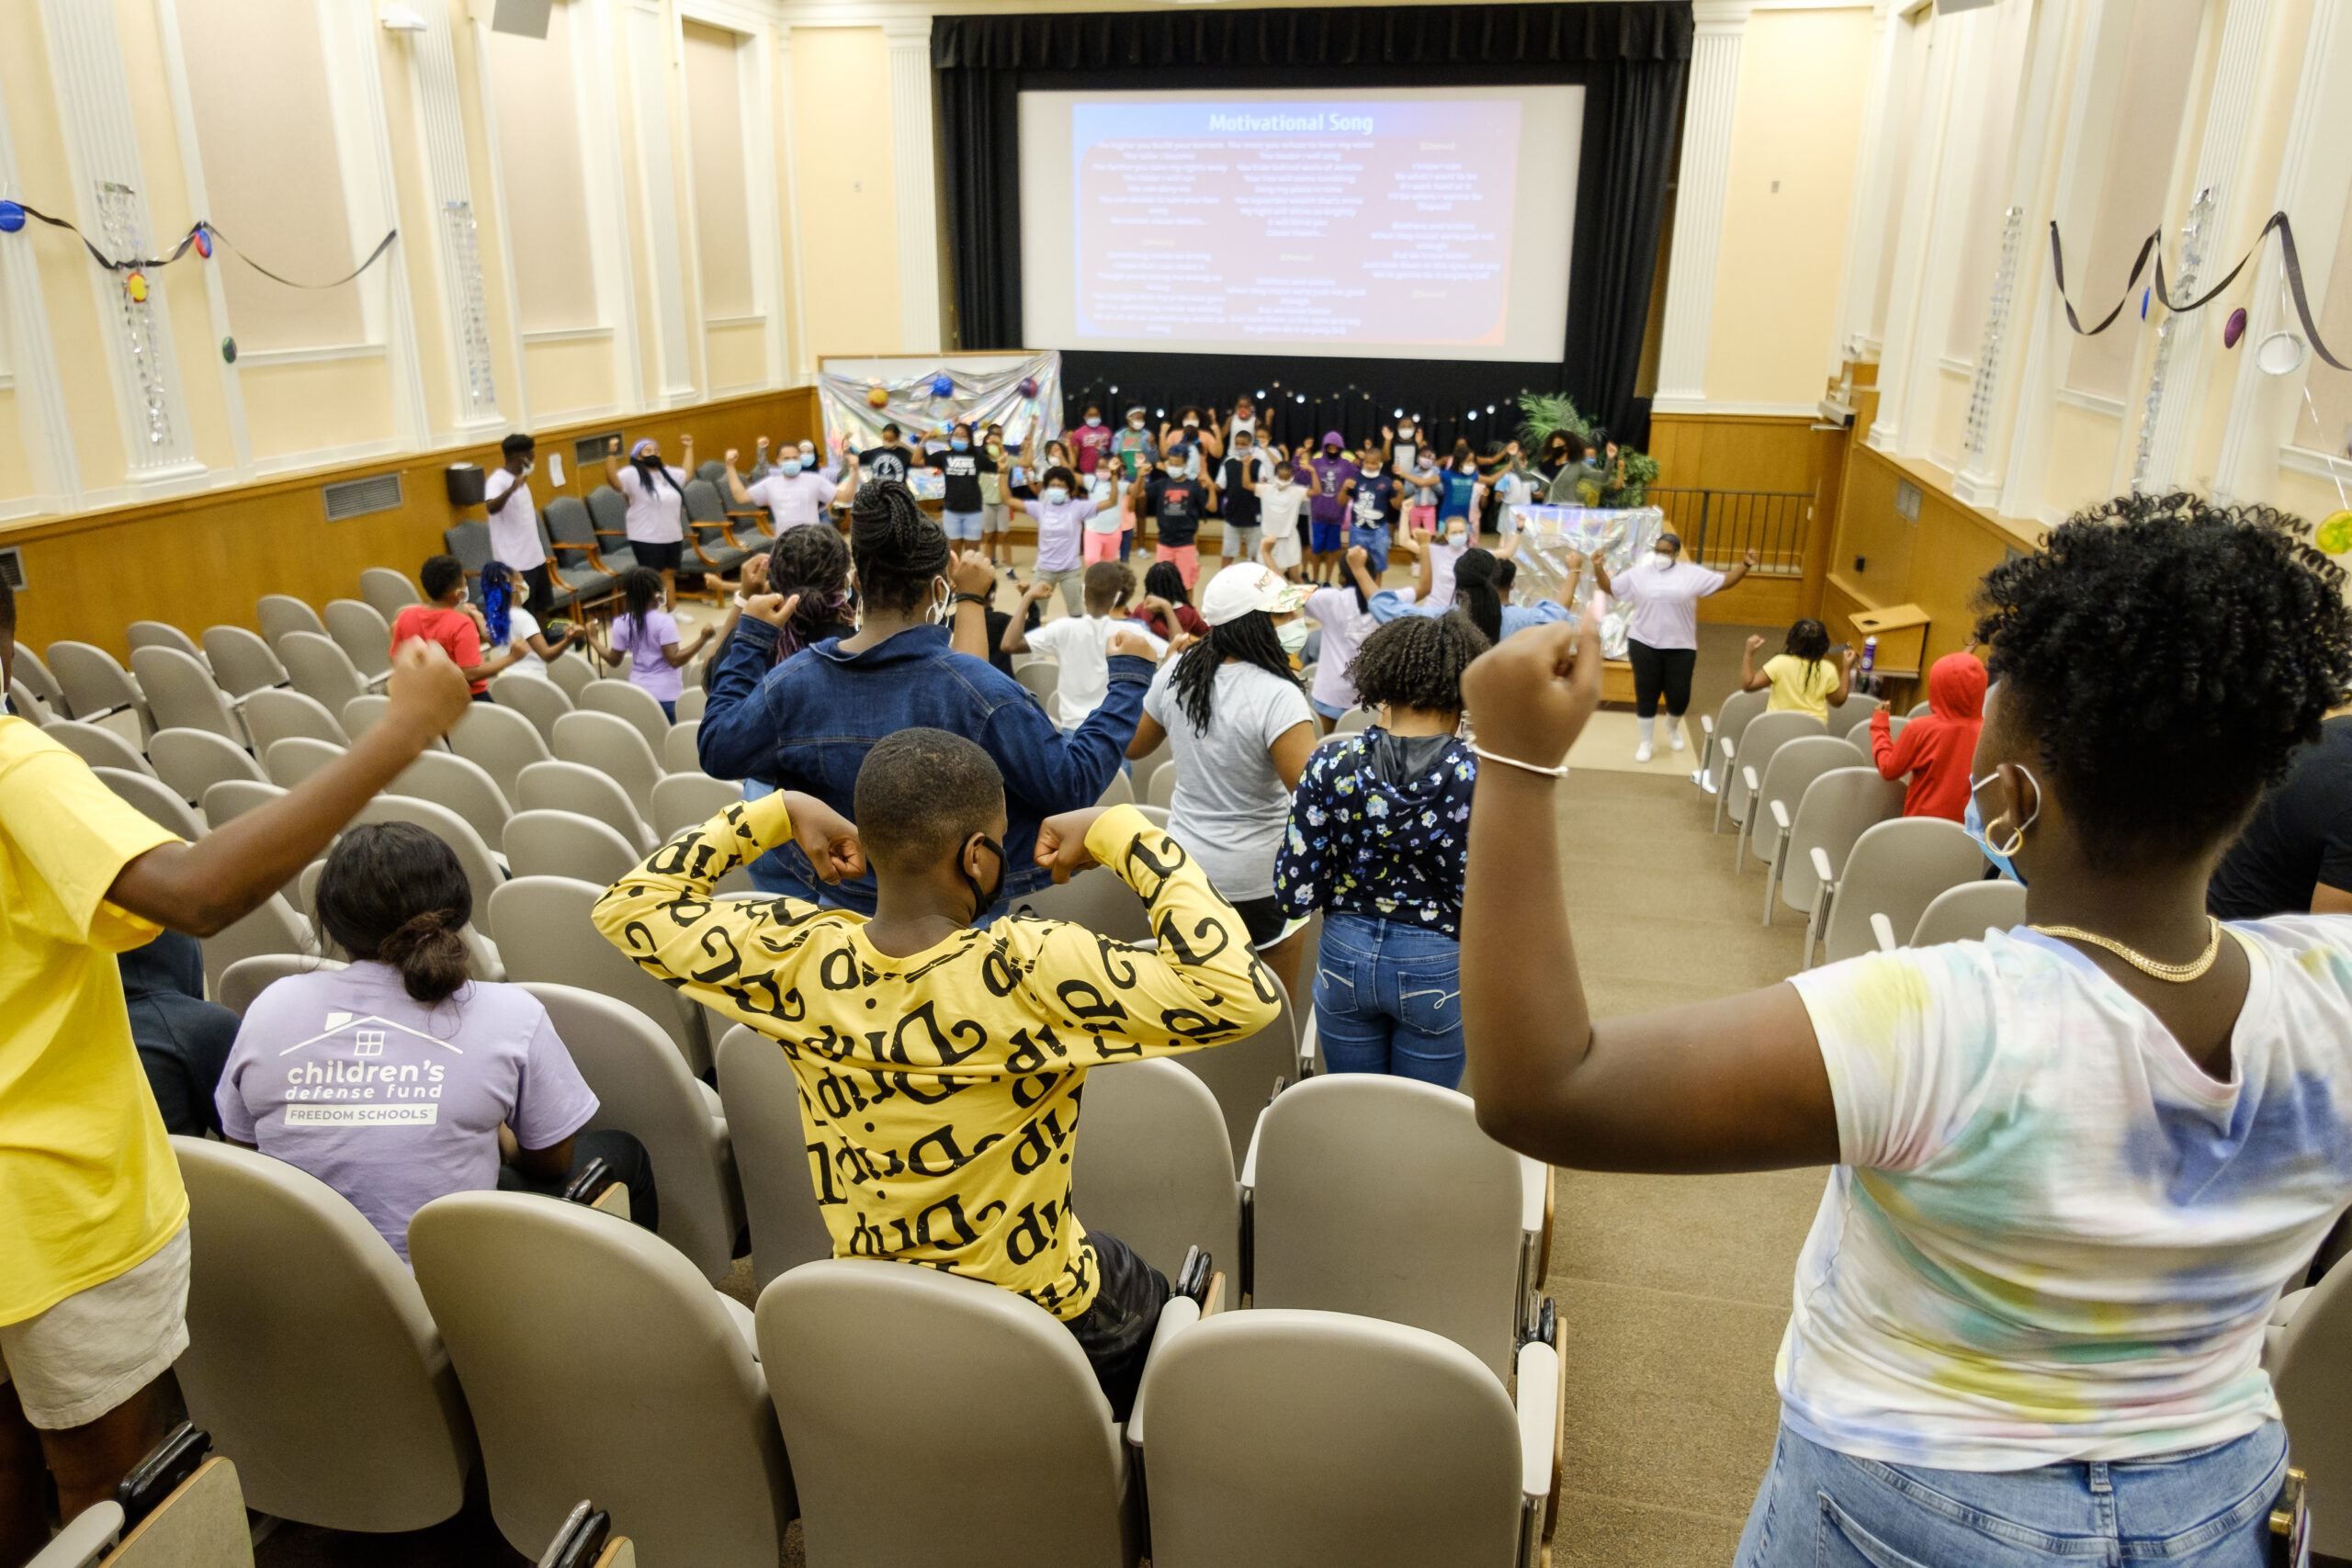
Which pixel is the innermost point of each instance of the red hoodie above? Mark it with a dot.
(1936, 748)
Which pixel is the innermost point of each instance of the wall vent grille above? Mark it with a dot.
(357, 498)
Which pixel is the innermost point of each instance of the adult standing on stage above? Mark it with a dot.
(656, 494)
(1662, 629)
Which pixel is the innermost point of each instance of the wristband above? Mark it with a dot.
(979, 598)
(1559, 772)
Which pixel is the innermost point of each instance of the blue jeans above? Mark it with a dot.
(1375, 547)
(2205, 1508)
(1388, 1000)
(961, 524)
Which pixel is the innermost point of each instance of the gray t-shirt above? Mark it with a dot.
(1231, 806)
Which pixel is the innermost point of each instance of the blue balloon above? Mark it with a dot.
(943, 385)
(12, 217)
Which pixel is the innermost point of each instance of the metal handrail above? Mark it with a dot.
(1717, 526)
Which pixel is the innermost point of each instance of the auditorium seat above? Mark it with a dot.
(199, 1523)
(642, 1088)
(572, 672)
(1960, 914)
(1752, 753)
(608, 515)
(274, 927)
(249, 978)
(228, 799)
(2309, 1356)
(761, 1098)
(1160, 787)
(362, 714)
(96, 684)
(297, 757)
(574, 786)
(1043, 677)
(627, 700)
(97, 745)
(1120, 791)
(464, 787)
(541, 701)
(1154, 1167)
(320, 669)
(686, 800)
(1380, 1196)
(27, 705)
(1353, 720)
(155, 799)
(1775, 789)
(550, 939)
(1316, 1439)
(1241, 1074)
(388, 592)
(192, 761)
(363, 634)
(500, 740)
(678, 749)
(573, 560)
(312, 1358)
(241, 661)
(1858, 737)
(44, 684)
(615, 748)
(271, 716)
(470, 542)
(564, 843)
(483, 874)
(691, 704)
(160, 634)
(595, 1359)
(1722, 732)
(181, 693)
(282, 613)
(1094, 898)
(937, 1419)
(1836, 809)
(1894, 869)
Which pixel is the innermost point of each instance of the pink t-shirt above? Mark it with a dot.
(648, 666)
(1664, 605)
(342, 1074)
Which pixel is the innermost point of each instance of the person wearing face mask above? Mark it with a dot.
(1134, 455)
(1424, 488)
(1240, 731)
(894, 460)
(1402, 445)
(646, 632)
(961, 467)
(1375, 500)
(515, 515)
(1662, 630)
(1068, 540)
(1460, 490)
(808, 722)
(2075, 1163)
(446, 620)
(1327, 510)
(656, 494)
(1175, 504)
(794, 496)
(1090, 442)
(996, 519)
(1239, 480)
(1281, 508)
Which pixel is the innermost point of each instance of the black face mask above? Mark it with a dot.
(984, 898)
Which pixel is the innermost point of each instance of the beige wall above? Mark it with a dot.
(539, 167)
(841, 162)
(1796, 127)
(715, 136)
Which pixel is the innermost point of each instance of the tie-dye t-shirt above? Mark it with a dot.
(2052, 1236)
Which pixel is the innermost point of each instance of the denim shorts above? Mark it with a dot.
(2204, 1508)
(1334, 713)
(961, 524)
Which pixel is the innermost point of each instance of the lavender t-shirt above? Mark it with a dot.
(1665, 603)
(389, 1101)
(648, 666)
(1060, 523)
(1345, 626)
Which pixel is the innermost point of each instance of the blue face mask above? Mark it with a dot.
(790, 466)
(961, 445)
(1056, 495)
(1973, 822)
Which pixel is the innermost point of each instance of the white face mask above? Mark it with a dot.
(529, 464)
(1664, 558)
(1135, 424)
(1371, 470)
(1056, 495)
(943, 606)
(1293, 634)
(1093, 421)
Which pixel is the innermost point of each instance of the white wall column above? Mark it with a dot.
(2176, 402)
(602, 165)
(455, 242)
(1882, 111)
(650, 54)
(801, 364)
(110, 206)
(1700, 182)
(912, 174)
(32, 361)
(1899, 359)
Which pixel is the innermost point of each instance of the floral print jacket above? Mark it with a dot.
(1380, 826)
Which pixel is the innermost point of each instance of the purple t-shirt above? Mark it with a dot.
(1059, 523)
(389, 1101)
(647, 666)
(1331, 473)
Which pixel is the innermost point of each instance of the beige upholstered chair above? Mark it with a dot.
(1155, 1169)
(762, 1099)
(550, 939)
(564, 843)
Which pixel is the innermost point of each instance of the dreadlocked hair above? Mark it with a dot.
(1246, 639)
(898, 549)
(814, 563)
(1416, 661)
(1474, 593)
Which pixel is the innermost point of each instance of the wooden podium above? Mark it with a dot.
(1902, 633)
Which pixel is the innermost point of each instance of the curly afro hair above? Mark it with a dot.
(1416, 661)
(2171, 654)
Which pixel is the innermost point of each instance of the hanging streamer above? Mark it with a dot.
(2290, 261)
(201, 238)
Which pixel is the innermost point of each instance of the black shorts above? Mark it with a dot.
(1263, 918)
(660, 558)
(1116, 1330)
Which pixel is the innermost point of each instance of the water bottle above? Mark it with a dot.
(1869, 680)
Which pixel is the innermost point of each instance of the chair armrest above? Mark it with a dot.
(1779, 810)
(1883, 930)
(1535, 1194)
(85, 1541)
(1179, 1315)
(1707, 725)
(1306, 1039)
(1821, 867)
(1250, 1160)
(1748, 777)
(1539, 1417)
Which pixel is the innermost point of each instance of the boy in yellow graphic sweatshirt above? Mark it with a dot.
(941, 1064)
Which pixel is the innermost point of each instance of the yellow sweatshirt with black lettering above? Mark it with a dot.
(940, 1091)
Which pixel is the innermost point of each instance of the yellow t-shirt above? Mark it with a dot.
(88, 1187)
(940, 1092)
(1800, 685)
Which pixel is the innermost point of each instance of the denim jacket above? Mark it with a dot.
(807, 723)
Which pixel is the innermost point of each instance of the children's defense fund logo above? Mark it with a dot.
(366, 1071)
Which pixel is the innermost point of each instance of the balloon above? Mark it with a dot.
(12, 217)
(204, 242)
(2235, 328)
(877, 396)
(228, 350)
(943, 385)
(135, 285)
(2145, 296)
(1028, 386)
(2335, 535)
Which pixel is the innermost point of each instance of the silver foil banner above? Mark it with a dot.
(1618, 538)
(979, 398)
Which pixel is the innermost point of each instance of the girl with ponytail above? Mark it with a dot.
(807, 723)
(401, 1079)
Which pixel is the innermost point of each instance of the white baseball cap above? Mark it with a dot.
(1246, 586)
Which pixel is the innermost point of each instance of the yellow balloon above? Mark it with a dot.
(2335, 535)
(136, 286)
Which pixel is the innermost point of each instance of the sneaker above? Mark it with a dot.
(1674, 738)
(1642, 753)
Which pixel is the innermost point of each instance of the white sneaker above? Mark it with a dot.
(1642, 753)
(1674, 738)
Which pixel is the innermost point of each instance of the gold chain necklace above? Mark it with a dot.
(2179, 974)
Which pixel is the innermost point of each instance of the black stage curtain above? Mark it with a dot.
(1628, 55)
